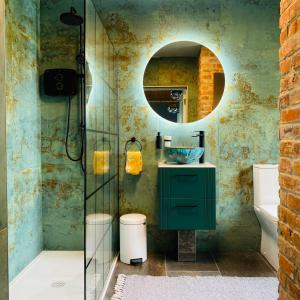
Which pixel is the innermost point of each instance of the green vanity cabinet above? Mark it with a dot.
(187, 195)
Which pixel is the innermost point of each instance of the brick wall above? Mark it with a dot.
(208, 65)
(289, 210)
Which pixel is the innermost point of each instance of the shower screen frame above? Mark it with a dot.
(93, 139)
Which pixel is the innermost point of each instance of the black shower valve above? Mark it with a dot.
(60, 82)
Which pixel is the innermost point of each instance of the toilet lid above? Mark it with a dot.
(98, 219)
(133, 219)
(265, 166)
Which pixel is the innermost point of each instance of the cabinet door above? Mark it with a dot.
(187, 198)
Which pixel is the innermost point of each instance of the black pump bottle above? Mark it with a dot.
(158, 141)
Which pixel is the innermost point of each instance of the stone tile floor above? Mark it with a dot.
(241, 264)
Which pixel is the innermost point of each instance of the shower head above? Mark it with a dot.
(71, 18)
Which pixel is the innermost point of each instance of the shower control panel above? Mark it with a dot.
(60, 82)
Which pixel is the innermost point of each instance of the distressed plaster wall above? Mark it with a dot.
(44, 189)
(240, 132)
(23, 126)
(3, 201)
(62, 179)
(176, 71)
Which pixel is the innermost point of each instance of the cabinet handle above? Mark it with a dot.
(186, 206)
(186, 175)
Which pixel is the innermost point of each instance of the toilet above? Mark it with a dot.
(266, 201)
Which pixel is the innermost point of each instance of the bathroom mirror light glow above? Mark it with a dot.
(184, 82)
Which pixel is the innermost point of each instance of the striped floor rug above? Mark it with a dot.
(136, 287)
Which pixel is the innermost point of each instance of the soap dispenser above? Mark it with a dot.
(158, 141)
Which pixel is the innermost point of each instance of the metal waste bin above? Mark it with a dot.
(133, 239)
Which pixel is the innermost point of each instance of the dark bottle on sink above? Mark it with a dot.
(158, 141)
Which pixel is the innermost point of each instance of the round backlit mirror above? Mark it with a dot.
(184, 82)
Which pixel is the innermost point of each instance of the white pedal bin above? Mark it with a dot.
(98, 228)
(133, 238)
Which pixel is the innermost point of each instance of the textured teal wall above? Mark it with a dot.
(3, 201)
(240, 132)
(62, 179)
(45, 190)
(23, 134)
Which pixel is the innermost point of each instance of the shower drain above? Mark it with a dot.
(58, 284)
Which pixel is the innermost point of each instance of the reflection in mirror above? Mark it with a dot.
(184, 82)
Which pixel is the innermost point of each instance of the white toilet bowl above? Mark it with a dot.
(268, 219)
(266, 201)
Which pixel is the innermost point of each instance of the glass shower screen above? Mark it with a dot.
(101, 155)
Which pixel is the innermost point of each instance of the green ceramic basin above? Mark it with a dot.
(184, 155)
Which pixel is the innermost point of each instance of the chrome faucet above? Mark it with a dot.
(201, 136)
